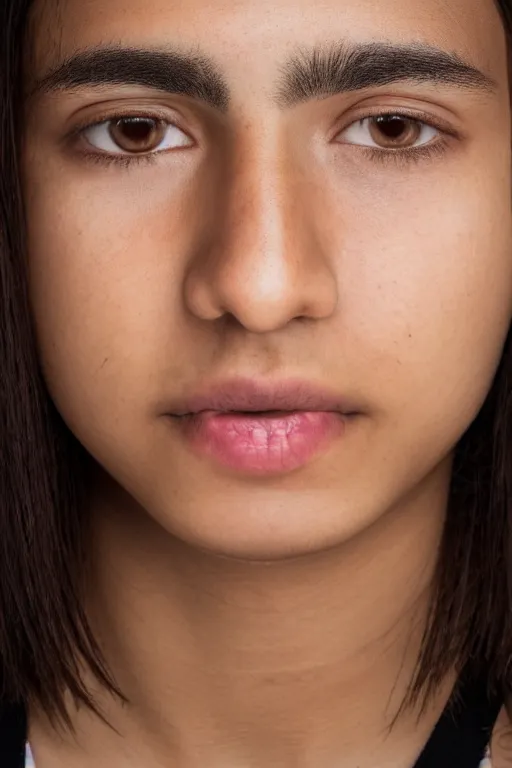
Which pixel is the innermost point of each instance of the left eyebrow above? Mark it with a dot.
(336, 69)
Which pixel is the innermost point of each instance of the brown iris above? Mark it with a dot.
(137, 134)
(392, 131)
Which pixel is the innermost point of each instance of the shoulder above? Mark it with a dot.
(501, 743)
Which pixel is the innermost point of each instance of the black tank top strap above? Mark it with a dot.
(13, 734)
(463, 732)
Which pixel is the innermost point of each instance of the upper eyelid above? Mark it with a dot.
(118, 114)
(416, 115)
(419, 117)
(423, 123)
(83, 126)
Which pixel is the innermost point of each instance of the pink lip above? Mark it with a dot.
(261, 444)
(294, 422)
(251, 395)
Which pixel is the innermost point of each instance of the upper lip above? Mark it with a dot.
(252, 395)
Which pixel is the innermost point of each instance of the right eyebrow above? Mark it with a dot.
(170, 71)
(312, 74)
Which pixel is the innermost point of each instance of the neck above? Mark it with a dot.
(235, 663)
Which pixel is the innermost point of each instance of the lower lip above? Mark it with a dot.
(266, 443)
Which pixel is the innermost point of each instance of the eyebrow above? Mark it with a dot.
(309, 74)
(170, 71)
(327, 71)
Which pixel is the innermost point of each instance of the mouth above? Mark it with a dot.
(262, 431)
(256, 414)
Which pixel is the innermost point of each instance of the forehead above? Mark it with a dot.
(256, 35)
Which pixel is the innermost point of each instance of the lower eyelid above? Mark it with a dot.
(407, 157)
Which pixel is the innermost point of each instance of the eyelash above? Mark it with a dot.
(396, 157)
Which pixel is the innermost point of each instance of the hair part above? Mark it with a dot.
(45, 638)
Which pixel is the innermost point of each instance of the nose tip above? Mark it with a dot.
(266, 263)
(263, 300)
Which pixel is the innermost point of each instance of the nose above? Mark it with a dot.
(262, 260)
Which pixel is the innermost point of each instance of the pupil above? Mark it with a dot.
(136, 129)
(136, 134)
(391, 125)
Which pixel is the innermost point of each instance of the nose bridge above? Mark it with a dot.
(258, 216)
(265, 266)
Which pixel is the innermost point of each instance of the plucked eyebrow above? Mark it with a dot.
(307, 75)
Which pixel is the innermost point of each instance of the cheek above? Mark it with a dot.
(433, 306)
(105, 293)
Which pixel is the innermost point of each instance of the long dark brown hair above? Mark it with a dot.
(44, 636)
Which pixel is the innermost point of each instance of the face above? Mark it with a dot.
(233, 210)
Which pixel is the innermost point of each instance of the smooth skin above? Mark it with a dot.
(266, 621)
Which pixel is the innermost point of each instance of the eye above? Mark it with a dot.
(135, 135)
(388, 132)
